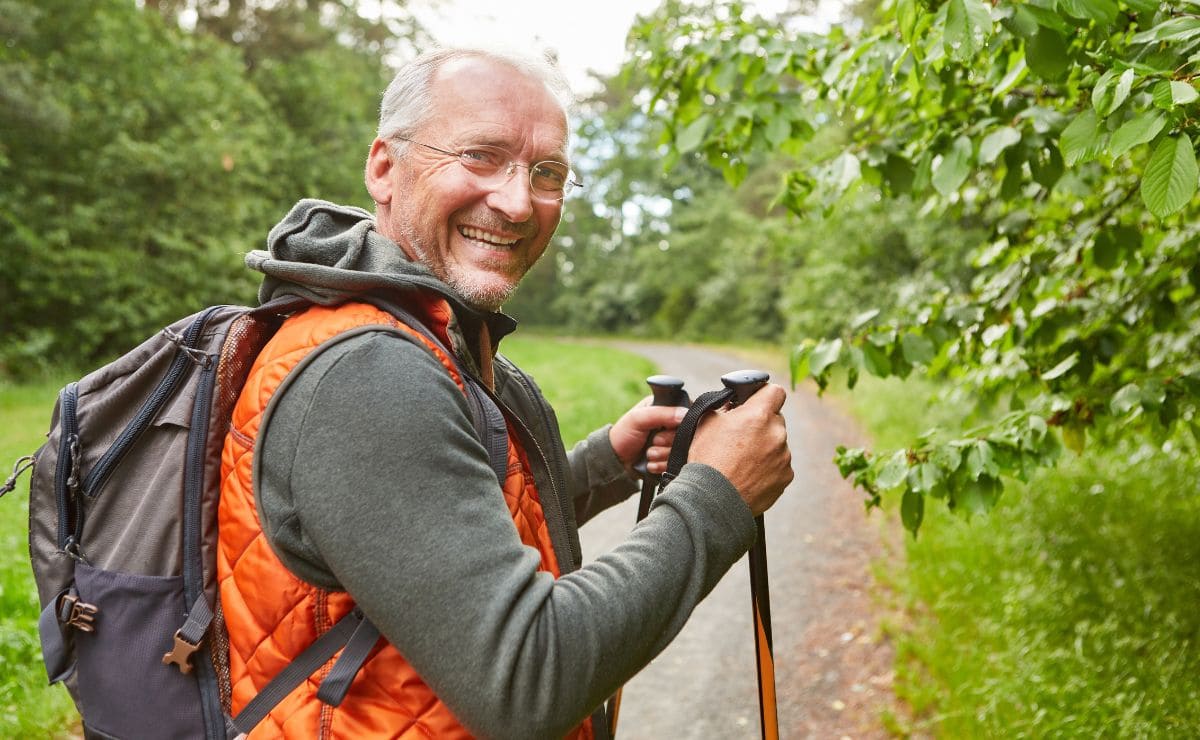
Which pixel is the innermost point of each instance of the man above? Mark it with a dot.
(355, 476)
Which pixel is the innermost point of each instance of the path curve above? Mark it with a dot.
(833, 664)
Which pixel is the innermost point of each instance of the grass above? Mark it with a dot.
(28, 706)
(1069, 611)
(588, 386)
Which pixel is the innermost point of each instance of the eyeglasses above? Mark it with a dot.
(548, 180)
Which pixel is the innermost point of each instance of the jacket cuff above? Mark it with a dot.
(704, 487)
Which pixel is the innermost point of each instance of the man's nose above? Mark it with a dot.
(512, 198)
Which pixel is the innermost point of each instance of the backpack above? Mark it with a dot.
(123, 532)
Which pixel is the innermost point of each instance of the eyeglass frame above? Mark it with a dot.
(509, 169)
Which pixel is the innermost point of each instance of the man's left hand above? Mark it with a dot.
(628, 434)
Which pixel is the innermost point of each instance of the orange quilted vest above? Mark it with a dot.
(270, 626)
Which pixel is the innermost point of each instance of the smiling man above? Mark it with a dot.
(385, 460)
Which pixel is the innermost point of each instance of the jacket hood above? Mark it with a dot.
(328, 253)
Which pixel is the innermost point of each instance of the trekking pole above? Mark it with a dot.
(743, 384)
(668, 391)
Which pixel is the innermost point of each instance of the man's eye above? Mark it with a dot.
(550, 175)
(482, 158)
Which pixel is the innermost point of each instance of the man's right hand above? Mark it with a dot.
(748, 445)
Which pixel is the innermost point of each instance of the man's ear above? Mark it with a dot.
(379, 169)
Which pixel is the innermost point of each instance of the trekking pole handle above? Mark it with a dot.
(667, 390)
(744, 383)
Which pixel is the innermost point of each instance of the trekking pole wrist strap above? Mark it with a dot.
(687, 430)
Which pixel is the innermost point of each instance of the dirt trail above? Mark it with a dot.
(833, 665)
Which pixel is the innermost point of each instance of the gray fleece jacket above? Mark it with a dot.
(370, 478)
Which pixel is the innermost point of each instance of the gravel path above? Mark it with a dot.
(833, 665)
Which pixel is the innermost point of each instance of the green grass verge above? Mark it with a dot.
(28, 706)
(1069, 611)
(588, 386)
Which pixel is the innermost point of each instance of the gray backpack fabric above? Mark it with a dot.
(123, 534)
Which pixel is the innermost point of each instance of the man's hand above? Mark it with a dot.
(748, 445)
(628, 434)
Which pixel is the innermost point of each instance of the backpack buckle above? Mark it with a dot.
(181, 653)
(76, 613)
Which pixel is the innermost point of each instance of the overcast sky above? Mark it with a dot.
(586, 35)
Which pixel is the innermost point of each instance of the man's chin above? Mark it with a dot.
(483, 295)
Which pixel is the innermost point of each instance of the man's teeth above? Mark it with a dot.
(483, 236)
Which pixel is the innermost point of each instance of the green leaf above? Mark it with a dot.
(823, 355)
(1126, 400)
(898, 172)
(924, 477)
(968, 25)
(1074, 437)
(996, 142)
(1046, 55)
(950, 173)
(1045, 17)
(1136, 131)
(947, 458)
(912, 510)
(693, 135)
(779, 128)
(863, 318)
(1083, 140)
(980, 460)
(1061, 368)
(1105, 251)
(1111, 91)
(1174, 29)
(1102, 11)
(1171, 176)
(979, 496)
(1170, 94)
(844, 171)
(894, 471)
(876, 361)
(917, 349)
(1017, 69)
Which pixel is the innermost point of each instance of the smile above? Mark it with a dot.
(490, 239)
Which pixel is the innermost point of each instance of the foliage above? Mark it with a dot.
(1072, 617)
(1064, 129)
(140, 162)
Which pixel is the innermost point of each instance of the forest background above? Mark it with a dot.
(992, 202)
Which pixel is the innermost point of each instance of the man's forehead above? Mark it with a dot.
(489, 102)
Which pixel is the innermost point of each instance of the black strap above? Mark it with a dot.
(333, 689)
(303, 666)
(687, 429)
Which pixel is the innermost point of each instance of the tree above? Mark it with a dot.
(1065, 129)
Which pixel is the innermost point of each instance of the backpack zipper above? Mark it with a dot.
(185, 355)
(67, 399)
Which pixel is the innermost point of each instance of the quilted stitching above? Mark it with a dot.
(267, 633)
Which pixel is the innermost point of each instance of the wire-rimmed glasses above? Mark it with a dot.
(548, 180)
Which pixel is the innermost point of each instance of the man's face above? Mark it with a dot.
(480, 239)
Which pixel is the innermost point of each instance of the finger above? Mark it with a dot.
(770, 396)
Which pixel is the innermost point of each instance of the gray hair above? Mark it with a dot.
(409, 98)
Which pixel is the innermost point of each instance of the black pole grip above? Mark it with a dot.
(667, 390)
(744, 383)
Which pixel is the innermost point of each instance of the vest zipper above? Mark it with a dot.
(558, 524)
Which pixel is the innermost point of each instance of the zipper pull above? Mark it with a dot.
(22, 464)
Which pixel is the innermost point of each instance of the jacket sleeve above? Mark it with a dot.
(374, 482)
(598, 479)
